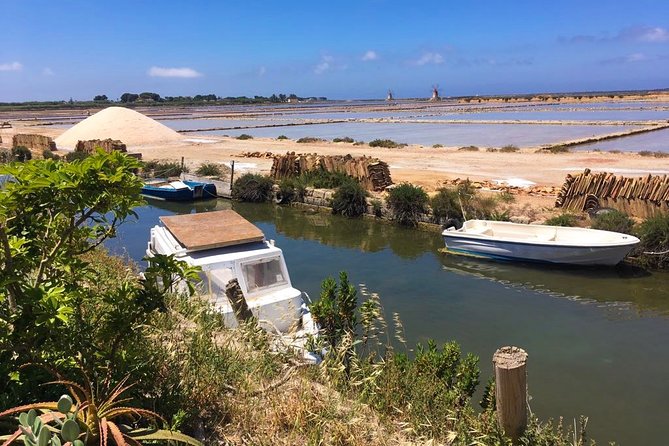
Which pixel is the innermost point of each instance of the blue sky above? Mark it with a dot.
(53, 50)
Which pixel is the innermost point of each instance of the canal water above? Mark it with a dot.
(596, 338)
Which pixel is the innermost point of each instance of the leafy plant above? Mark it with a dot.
(308, 140)
(613, 220)
(323, 179)
(334, 312)
(282, 137)
(350, 199)
(437, 146)
(386, 143)
(562, 220)
(244, 136)
(408, 203)
(655, 154)
(209, 170)
(6, 156)
(252, 187)
(76, 156)
(510, 148)
(164, 169)
(554, 149)
(291, 189)
(469, 149)
(377, 207)
(94, 419)
(344, 139)
(48, 154)
(654, 236)
(21, 154)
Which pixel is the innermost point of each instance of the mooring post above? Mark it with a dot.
(237, 301)
(511, 390)
(232, 174)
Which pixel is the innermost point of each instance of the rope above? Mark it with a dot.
(660, 253)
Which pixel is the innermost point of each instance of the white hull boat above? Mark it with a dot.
(226, 246)
(538, 243)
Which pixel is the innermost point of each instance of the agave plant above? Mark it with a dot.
(88, 420)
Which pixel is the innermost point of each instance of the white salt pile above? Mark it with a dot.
(129, 126)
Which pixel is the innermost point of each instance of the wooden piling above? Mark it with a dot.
(511, 390)
(236, 297)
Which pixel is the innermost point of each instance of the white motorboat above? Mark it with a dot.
(538, 243)
(226, 246)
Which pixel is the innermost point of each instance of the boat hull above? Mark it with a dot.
(519, 252)
(195, 191)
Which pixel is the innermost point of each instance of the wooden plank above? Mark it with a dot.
(210, 230)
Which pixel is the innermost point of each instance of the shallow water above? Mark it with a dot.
(595, 337)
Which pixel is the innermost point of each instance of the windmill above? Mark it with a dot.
(435, 93)
(390, 96)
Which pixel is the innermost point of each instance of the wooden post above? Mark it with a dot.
(232, 174)
(511, 390)
(182, 163)
(237, 301)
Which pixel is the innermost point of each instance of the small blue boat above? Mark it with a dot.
(179, 190)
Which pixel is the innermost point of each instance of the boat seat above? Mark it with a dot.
(479, 231)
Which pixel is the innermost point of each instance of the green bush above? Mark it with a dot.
(408, 203)
(308, 139)
(469, 149)
(323, 179)
(244, 136)
(562, 220)
(554, 149)
(350, 199)
(377, 207)
(252, 187)
(22, 154)
(491, 150)
(47, 154)
(359, 143)
(76, 156)
(653, 154)
(386, 143)
(209, 170)
(290, 190)
(510, 148)
(344, 139)
(6, 156)
(282, 137)
(654, 236)
(613, 220)
(446, 204)
(163, 169)
(437, 146)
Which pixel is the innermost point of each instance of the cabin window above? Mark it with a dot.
(214, 281)
(263, 273)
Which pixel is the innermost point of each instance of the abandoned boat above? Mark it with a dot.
(226, 247)
(180, 190)
(538, 243)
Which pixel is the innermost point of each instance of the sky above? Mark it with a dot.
(56, 50)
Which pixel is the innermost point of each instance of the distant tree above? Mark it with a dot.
(292, 96)
(282, 97)
(274, 98)
(100, 97)
(22, 154)
(149, 96)
(129, 97)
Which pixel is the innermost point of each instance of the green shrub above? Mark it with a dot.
(408, 203)
(386, 143)
(359, 143)
(209, 170)
(506, 197)
(350, 199)
(344, 139)
(615, 151)
(22, 154)
(76, 156)
(437, 146)
(323, 179)
(164, 169)
(554, 149)
(653, 154)
(377, 207)
(654, 236)
(446, 204)
(613, 220)
(47, 154)
(282, 137)
(308, 140)
(290, 190)
(510, 148)
(562, 220)
(491, 149)
(469, 149)
(6, 156)
(244, 136)
(252, 187)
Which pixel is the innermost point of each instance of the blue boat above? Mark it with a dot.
(179, 190)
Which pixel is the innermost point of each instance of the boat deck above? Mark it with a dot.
(209, 230)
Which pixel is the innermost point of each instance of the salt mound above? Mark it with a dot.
(129, 126)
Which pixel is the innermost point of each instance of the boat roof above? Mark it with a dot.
(209, 230)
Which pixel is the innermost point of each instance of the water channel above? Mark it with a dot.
(596, 338)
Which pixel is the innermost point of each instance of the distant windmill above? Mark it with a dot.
(435, 93)
(390, 96)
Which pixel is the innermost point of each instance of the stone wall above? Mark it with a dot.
(33, 142)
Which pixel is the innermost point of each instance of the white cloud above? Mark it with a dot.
(653, 34)
(630, 58)
(47, 72)
(11, 66)
(184, 72)
(430, 58)
(369, 55)
(324, 65)
(262, 71)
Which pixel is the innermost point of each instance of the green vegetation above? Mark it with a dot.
(163, 169)
(613, 220)
(76, 156)
(323, 179)
(437, 146)
(21, 154)
(210, 170)
(452, 202)
(555, 149)
(252, 187)
(308, 140)
(510, 148)
(491, 149)
(359, 143)
(48, 154)
(386, 143)
(282, 137)
(654, 236)
(244, 137)
(6, 156)
(562, 220)
(647, 153)
(290, 190)
(350, 199)
(408, 203)
(377, 207)
(469, 149)
(344, 139)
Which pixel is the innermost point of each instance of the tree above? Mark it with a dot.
(100, 97)
(129, 97)
(282, 97)
(149, 96)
